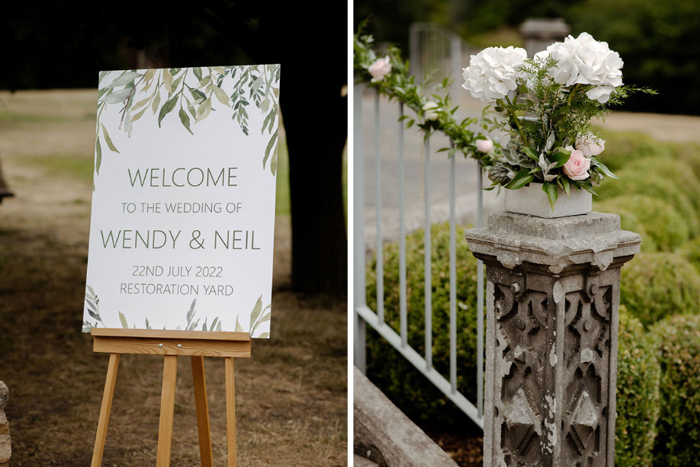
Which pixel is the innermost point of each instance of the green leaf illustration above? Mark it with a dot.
(264, 335)
(256, 311)
(269, 147)
(156, 102)
(204, 109)
(221, 95)
(239, 328)
(98, 156)
(166, 109)
(127, 77)
(190, 314)
(122, 318)
(167, 81)
(108, 139)
(185, 119)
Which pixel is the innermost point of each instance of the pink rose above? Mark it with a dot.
(379, 69)
(577, 166)
(590, 145)
(484, 145)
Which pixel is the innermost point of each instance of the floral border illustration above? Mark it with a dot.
(258, 315)
(166, 89)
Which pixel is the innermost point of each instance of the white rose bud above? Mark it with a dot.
(484, 145)
(430, 114)
(380, 68)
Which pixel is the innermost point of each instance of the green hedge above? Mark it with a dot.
(390, 371)
(688, 153)
(678, 441)
(657, 285)
(624, 148)
(634, 180)
(638, 405)
(661, 227)
(691, 252)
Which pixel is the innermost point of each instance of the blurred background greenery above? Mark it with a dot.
(657, 40)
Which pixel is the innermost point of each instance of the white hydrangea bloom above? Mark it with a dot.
(586, 61)
(493, 72)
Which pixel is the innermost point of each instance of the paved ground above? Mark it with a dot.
(679, 128)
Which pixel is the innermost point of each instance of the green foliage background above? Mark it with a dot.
(658, 41)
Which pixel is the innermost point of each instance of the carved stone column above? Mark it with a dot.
(551, 338)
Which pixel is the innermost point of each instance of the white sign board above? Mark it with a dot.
(183, 208)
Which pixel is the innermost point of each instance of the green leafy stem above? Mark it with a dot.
(400, 86)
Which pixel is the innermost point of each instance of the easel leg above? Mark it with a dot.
(105, 410)
(167, 408)
(202, 405)
(230, 413)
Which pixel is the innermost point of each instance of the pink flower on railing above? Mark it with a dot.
(379, 69)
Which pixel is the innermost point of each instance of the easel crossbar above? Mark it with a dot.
(173, 343)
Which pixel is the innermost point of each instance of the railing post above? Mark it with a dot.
(456, 65)
(359, 297)
(551, 341)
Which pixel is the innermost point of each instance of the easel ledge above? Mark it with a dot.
(171, 344)
(162, 342)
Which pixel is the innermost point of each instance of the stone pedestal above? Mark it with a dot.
(551, 338)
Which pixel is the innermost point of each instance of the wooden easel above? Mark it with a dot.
(171, 344)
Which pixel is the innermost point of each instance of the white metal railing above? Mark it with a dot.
(362, 313)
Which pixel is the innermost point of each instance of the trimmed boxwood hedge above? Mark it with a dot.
(390, 371)
(624, 148)
(678, 441)
(661, 227)
(638, 405)
(636, 181)
(691, 252)
(657, 285)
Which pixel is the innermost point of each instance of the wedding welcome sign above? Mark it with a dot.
(182, 227)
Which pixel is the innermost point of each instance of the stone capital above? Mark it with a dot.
(513, 239)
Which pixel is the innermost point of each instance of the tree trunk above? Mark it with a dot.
(319, 235)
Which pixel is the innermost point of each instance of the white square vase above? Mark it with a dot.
(531, 200)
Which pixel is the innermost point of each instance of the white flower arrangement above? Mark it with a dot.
(546, 105)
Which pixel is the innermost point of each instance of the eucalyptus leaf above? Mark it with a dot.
(122, 318)
(117, 97)
(198, 73)
(191, 312)
(198, 96)
(185, 119)
(167, 81)
(98, 156)
(108, 140)
(126, 78)
(255, 313)
(156, 101)
(166, 109)
(149, 74)
(269, 147)
(203, 110)
(264, 335)
(221, 95)
(238, 328)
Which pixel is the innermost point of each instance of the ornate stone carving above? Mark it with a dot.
(551, 339)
